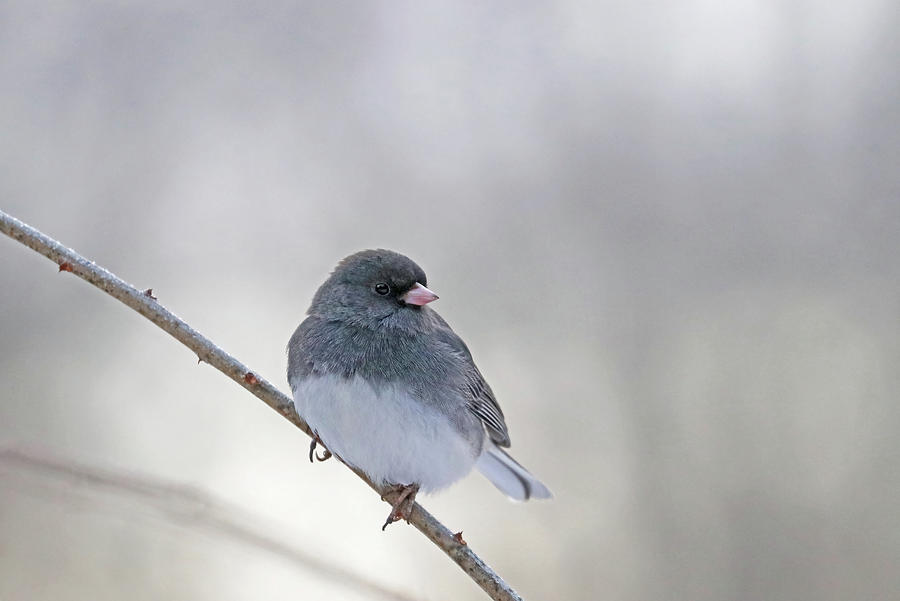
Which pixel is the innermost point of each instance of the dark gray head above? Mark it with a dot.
(372, 288)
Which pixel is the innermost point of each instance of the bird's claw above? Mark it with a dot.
(312, 449)
(402, 507)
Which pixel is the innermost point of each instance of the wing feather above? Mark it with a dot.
(481, 401)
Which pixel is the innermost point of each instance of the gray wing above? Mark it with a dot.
(481, 400)
(484, 405)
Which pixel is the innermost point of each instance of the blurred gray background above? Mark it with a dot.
(669, 232)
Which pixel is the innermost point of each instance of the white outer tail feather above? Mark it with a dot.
(512, 479)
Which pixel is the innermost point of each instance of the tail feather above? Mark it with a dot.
(512, 479)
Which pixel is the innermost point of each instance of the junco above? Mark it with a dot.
(389, 388)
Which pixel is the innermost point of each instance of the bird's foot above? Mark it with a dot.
(406, 498)
(312, 449)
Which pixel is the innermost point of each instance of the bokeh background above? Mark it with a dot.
(670, 232)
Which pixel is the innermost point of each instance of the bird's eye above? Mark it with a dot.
(382, 288)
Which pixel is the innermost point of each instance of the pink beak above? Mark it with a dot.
(418, 295)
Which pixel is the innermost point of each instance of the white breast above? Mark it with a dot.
(389, 435)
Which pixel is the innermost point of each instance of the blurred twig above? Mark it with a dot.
(188, 505)
(146, 304)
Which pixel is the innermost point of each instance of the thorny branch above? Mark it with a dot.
(145, 303)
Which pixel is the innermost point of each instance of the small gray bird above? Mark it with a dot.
(389, 388)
